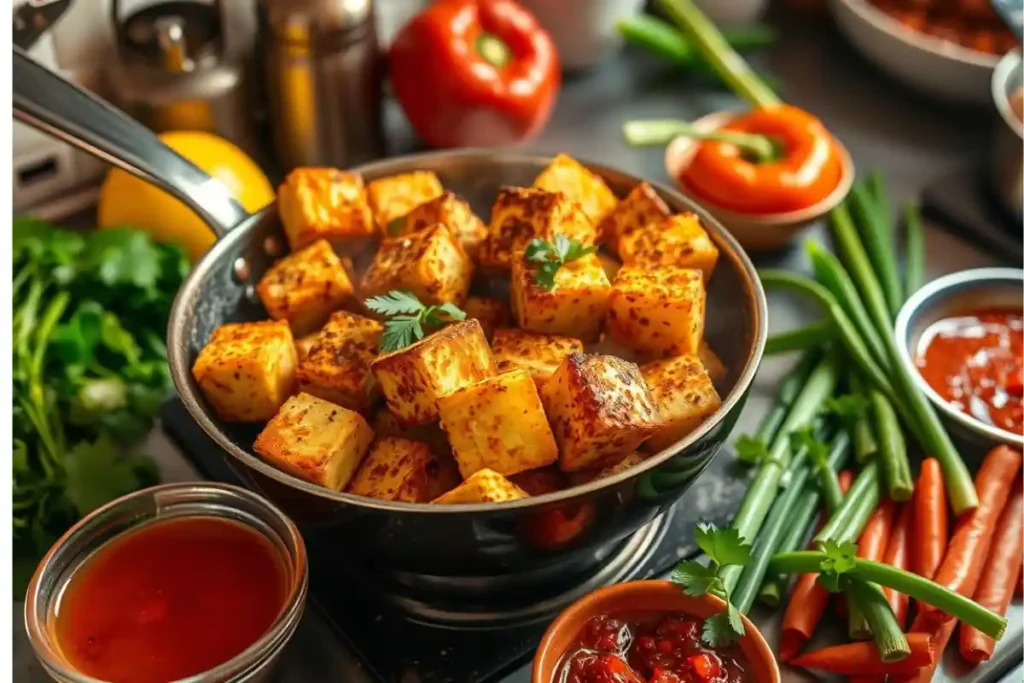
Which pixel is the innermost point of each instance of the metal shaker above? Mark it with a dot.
(323, 75)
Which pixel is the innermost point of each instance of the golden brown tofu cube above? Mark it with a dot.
(657, 312)
(676, 241)
(499, 424)
(711, 362)
(599, 408)
(485, 486)
(565, 174)
(539, 354)
(304, 288)
(337, 368)
(247, 370)
(430, 263)
(586, 476)
(492, 313)
(324, 203)
(450, 211)
(521, 214)
(609, 265)
(385, 423)
(575, 306)
(303, 345)
(405, 471)
(413, 378)
(394, 197)
(684, 394)
(316, 440)
(641, 207)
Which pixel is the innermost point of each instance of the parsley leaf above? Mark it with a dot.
(750, 450)
(839, 559)
(695, 578)
(96, 475)
(409, 318)
(395, 302)
(723, 546)
(552, 255)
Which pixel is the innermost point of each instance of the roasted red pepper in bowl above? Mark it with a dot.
(474, 73)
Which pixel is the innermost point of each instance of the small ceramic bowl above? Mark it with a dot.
(980, 288)
(643, 597)
(759, 232)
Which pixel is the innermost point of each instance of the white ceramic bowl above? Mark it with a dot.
(584, 31)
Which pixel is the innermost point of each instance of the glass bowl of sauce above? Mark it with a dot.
(195, 582)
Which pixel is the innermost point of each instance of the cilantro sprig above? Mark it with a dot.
(553, 255)
(724, 548)
(409, 318)
(751, 450)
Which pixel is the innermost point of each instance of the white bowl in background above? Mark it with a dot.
(584, 31)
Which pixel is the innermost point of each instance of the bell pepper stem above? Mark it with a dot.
(493, 49)
(663, 131)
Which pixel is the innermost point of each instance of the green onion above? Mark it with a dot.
(860, 268)
(790, 388)
(876, 234)
(913, 268)
(662, 131)
(798, 339)
(847, 522)
(880, 621)
(893, 449)
(664, 40)
(864, 444)
(828, 484)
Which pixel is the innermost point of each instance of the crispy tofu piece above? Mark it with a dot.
(337, 368)
(485, 486)
(413, 378)
(247, 370)
(712, 363)
(587, 476)
(303, 345)
(324, 203)
(452, 212)
(575, 306)
(600, 410)
(676, 241)
(498, 424)
(392, 198)
(684, 394)
(385, 423)
(305, 287)
(492, 313)
(540, 481)
(316, 440)
(430, 263)
(540, 354)
(522, 214)
(657, 311)
(405, 471)
(641, 207)
(568, 176)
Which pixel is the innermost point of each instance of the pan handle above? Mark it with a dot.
(50, 103)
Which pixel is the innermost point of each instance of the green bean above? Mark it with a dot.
(797, 339)
(913, 269)
(893, 449)
(876, 234)
(849, 519)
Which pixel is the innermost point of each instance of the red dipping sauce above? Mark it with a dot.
(974, 361)
(655, 648)
(170, 600)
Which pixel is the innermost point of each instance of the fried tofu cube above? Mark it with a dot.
(452, 212)
(492, 313)
(337, 368)
(485, 486)
(684, 394)
(247, 370)
(413, 378)
(385, 423)
(657, 311)
(405, 471)
(539, 354)
(641, 207)
(305, 287)
(676, 241)
(392, 198)
(587, 476)
(499, 424)
(303, 345)
(521, 214)
(575, 306)
(316, 440)
(712, 363)
(430, 263)
(600, 410)
(324, 203)
(568, 176)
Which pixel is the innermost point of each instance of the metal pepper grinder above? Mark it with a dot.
(323, 78)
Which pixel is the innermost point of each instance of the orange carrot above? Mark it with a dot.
(968, 549)
(897, 554)
(860, 659)
(1002, 568)
(940, 635)
(874, 539)
(931, 523)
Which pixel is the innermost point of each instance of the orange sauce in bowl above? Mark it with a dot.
(170, 600)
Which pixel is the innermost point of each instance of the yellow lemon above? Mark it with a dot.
(126, 200)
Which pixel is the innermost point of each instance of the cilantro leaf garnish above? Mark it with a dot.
(750, 450)
(552, 255)
(723, 546)
(409, 318)
(839, 559)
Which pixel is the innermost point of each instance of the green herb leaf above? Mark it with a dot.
(394, 303)
(735, 620)
(750, 450)
(849, 407)
(96, 476)
(551, 256)
(718, 630)
(122, 256)
(409, 318)
(839, 559)
(695, 578)
(723, 546)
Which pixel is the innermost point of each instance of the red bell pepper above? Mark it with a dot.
(474, 73)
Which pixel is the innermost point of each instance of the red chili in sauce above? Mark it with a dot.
(974, 361)
(650, 649)
(170, 600)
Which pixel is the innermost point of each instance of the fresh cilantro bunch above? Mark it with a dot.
(89, 372)
(409, 318)
(553, 255)
(724, 547)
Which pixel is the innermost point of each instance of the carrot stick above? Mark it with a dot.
(1002, 569)
(860, 659)
(968, 549)
(871, 545)
(931, 522)
(940, 635)
(897, 554)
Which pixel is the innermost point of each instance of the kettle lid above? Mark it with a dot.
(306, 21)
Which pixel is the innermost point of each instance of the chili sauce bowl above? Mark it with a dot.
(641, 598)
(146, 510)
(958, 293)
(757, 232)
